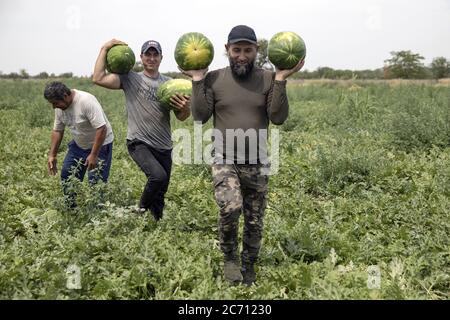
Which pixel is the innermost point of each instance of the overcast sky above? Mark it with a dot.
(66, 35)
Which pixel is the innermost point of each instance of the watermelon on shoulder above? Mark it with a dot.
(120, 59)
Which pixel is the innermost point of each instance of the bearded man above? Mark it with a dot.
(242, 99)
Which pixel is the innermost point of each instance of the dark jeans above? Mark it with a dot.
(74, 163)
(157, 165)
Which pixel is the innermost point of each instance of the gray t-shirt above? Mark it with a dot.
(148, 120)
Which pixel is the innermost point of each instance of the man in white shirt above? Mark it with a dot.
(91, 147)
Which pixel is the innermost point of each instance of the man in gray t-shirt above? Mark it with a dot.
(148, 121)
(149, 139)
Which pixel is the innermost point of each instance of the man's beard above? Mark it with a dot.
(241, 70)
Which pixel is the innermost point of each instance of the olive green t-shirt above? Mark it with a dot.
(241, 110)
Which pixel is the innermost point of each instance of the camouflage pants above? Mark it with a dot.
(240, 188)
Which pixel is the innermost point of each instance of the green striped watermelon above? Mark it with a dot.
(171, 87)
(286, 49)
(120, 59)
(194, 51)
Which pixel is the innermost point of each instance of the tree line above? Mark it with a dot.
(401, 65)
(23, 74)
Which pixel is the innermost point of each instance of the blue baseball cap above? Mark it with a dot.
(151, 44)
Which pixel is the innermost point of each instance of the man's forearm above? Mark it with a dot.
(278, 108)
(100, 136)
(201, 104)
(56, 139)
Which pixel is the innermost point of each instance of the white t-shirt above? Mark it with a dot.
(84, 116)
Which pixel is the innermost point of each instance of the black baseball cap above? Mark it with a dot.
(151, 44)
(242, 33)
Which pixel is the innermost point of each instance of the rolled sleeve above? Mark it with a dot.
(58, 125)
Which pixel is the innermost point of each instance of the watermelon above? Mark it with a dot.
(194, 51)
(286, 49)
(171, 87)
(120, 59)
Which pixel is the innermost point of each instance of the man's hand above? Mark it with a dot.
(180, 102)
(196, 75)
(91, 162)
(111, 43)
(281, 75)
(51, 165)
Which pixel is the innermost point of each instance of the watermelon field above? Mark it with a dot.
(359, 209)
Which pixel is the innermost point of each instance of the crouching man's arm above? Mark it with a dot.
(56, 139)
(91, 160)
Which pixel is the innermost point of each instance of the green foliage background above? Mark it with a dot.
(364, 180)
